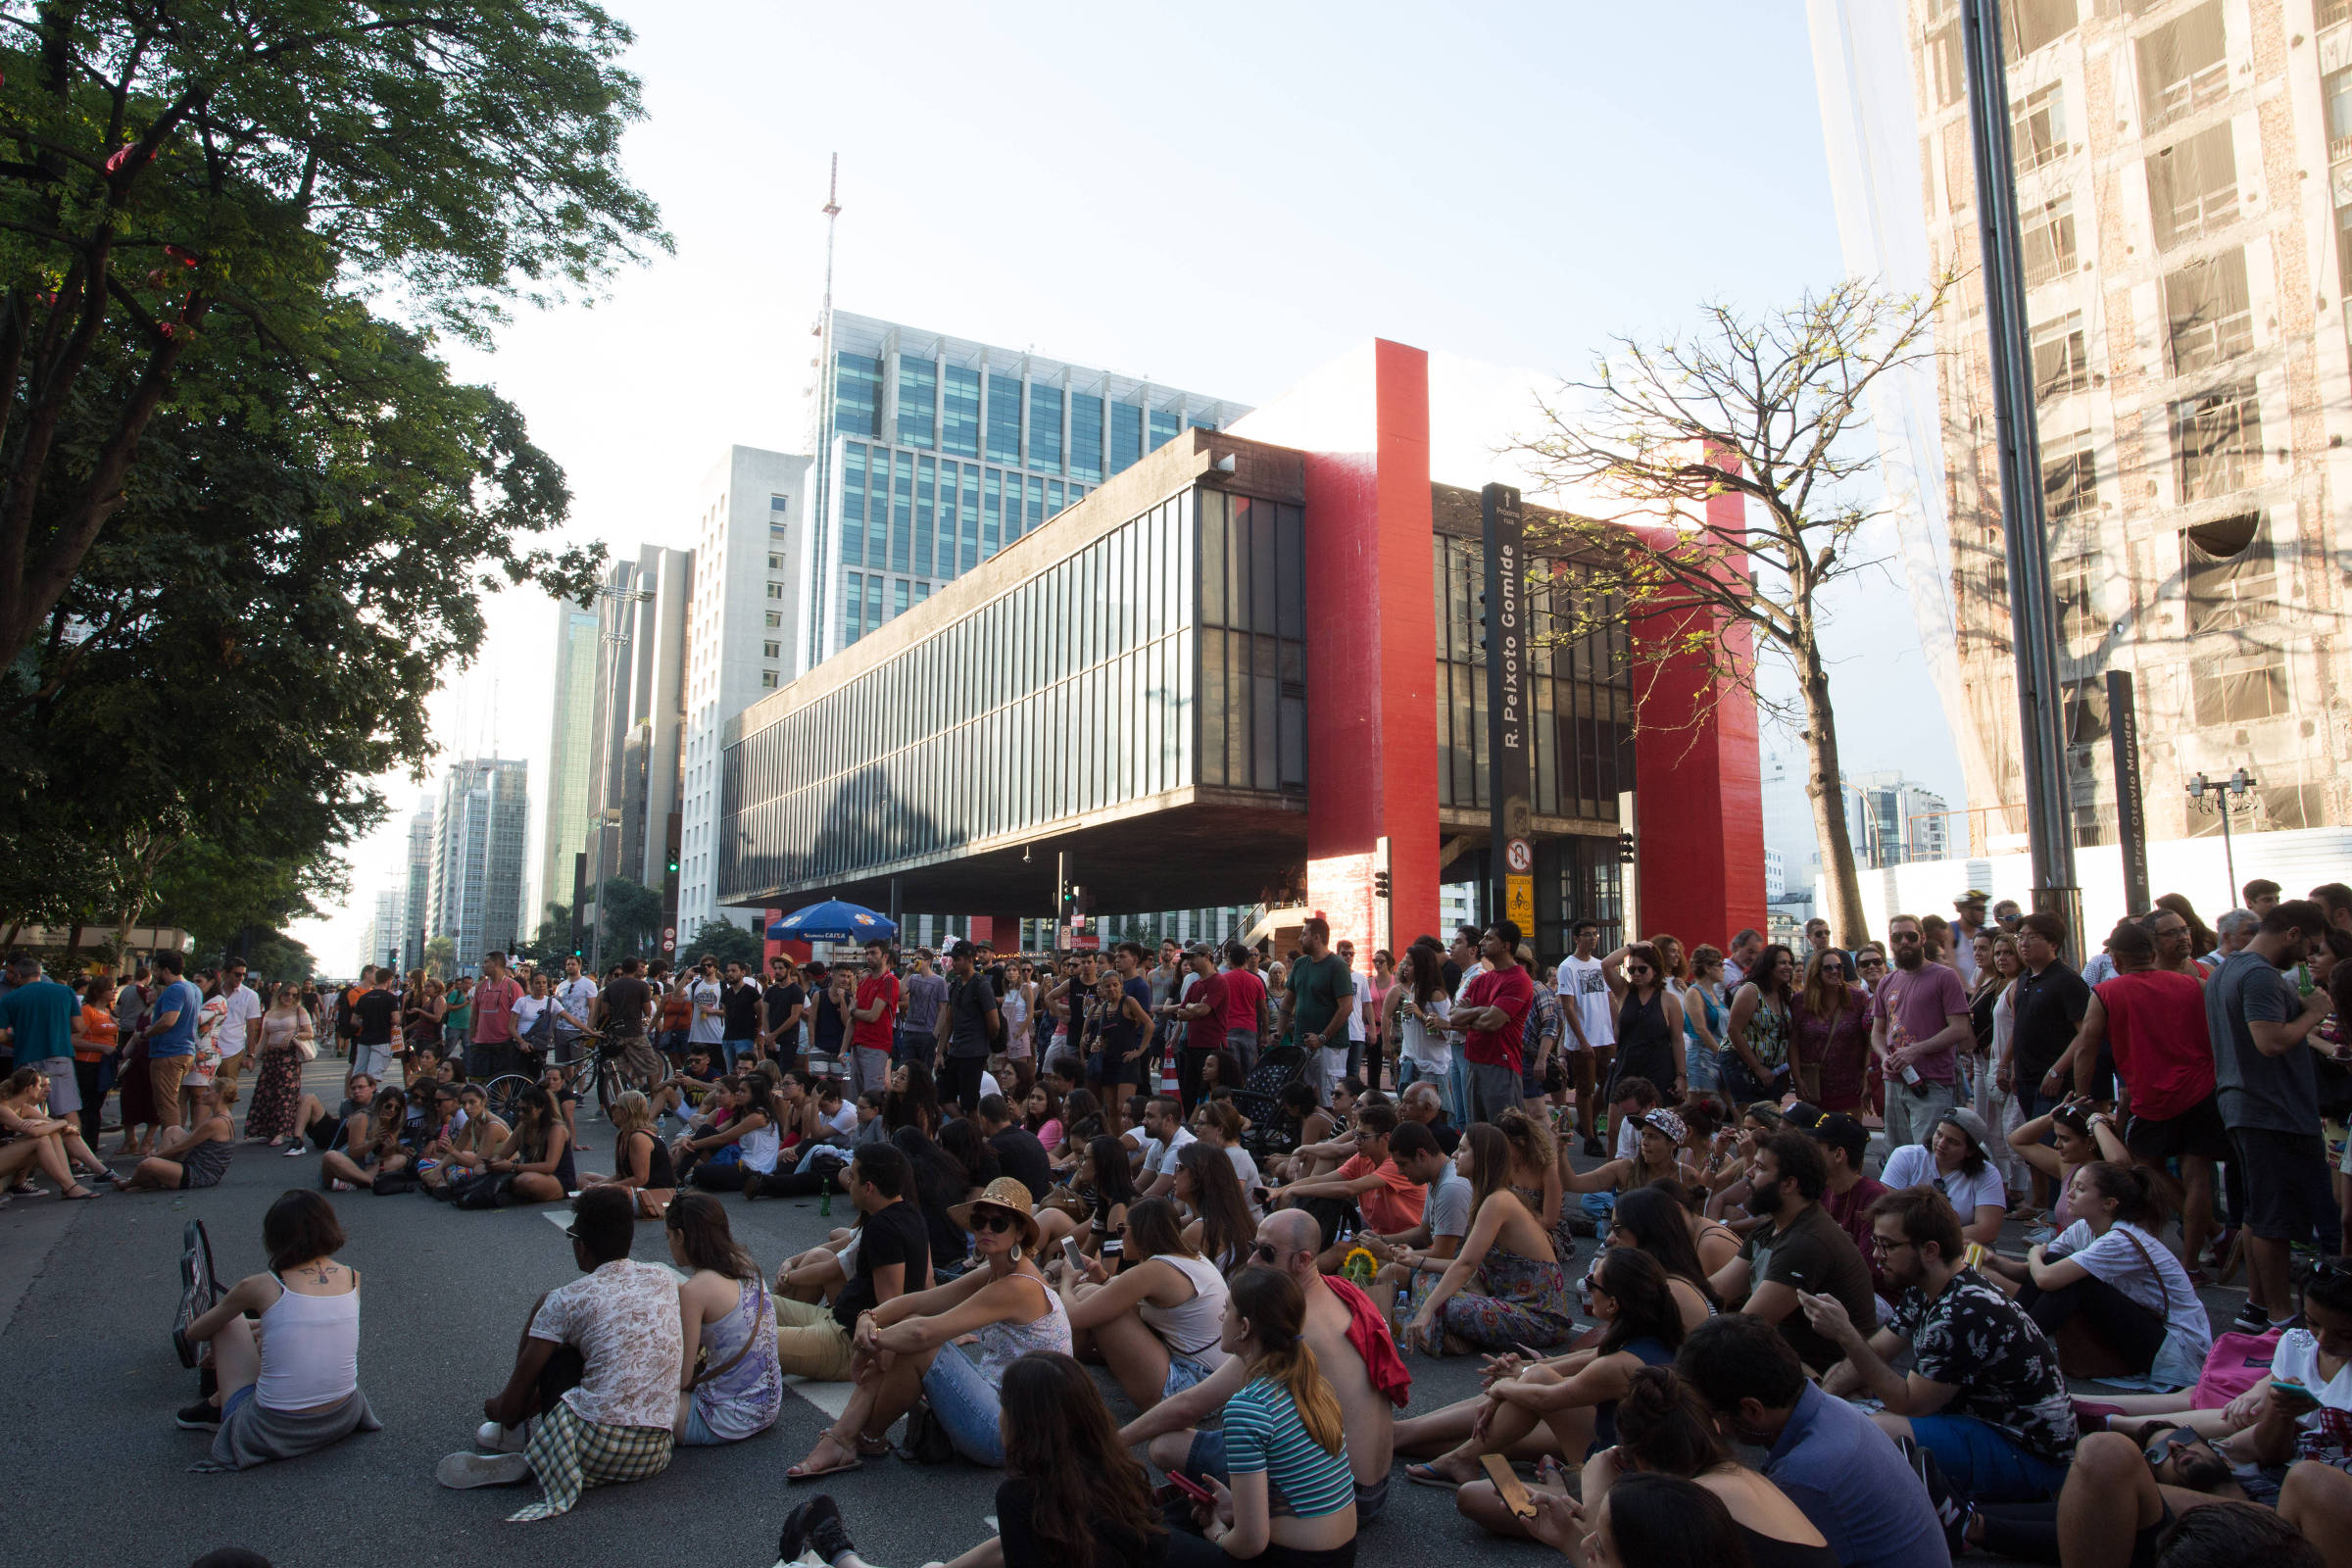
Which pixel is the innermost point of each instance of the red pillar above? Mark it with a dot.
(1371, 637)
(1699, 792)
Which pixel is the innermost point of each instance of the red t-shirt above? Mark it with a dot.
(494, 1011)
(1512, 990)
(1208, 1032)
(1852, 1211)
(1245, 993)
(2156, 1028)
(1393, 1206)
(875, 1034)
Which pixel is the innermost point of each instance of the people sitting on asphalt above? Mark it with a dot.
(325, 1129)
(640, 1159)
(195, 1157)
(1413, 1261)
(374, 1139)
(466, 1148)
(1156, 1323)
(1366, 1192)
(732, 1386)
(1955, 1159)
(34, 1138)
(1507, 1286)
(1651, 1219)
(1020, 1153)
(1353, 1348)
(1218, 1222)
(536, 1154)
(594, 1390)
(1797, 1249)
(284, 1347)
(908, 1346)
(1985, 1395)
(1844, 1146)
(887, 1256)
(1829, 1458)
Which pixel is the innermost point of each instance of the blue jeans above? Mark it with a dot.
(736, 1050)
(1243, 1042)
(1981, 1463)
(969, 1405)
(1457, 1090)
(832, 1152)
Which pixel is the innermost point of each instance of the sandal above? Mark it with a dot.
(76, 1191)
(293, 1151)
(1429, 1475)
(804, 1472)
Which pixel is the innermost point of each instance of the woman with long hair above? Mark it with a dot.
(537, 1154)
(1703, 1019)
(278, 1088)
(1536, 1166)
(1832, 1028)
(1222, 1225)
(1373, 1005)
(1020, 1046)
(731, 1387)
(1418, 1001)
(1109, 1183)
(424, 1009)
(1657, 1153)
(1219, 1124)
(1525, 1294)
(1156, 1323)
(36, 1137)
(2110, 1274)
(940, 1185)
(723, 1159)
(374, 1142)
(1642, 1326)
(969, 1148)
(1650, 1019)
(1651, 1220)
(1759, 1028)
(1041, 1114)
(1284, 1438)
(1081, 1124)
(1996, 1100)
(94, 1031)
(912, 1101)
(467, 1148)
(640, 1159)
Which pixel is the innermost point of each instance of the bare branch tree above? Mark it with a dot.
(1764, 410)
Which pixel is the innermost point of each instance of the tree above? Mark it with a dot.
(1763, 410)
(441, 957)
(552, 943)
(193, 181)
(630, 914)
(726, 942)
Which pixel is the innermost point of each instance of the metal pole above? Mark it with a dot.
(2041, 710)
(2229, 854)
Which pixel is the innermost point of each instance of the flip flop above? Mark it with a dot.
(1423, 1475)
(798, 1473)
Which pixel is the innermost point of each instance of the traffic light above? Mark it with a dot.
(1624, 848)
(673, 862)
(1380, 884)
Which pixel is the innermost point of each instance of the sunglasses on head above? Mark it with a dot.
(992, 1220)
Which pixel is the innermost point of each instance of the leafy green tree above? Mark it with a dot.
(726, 942)
(630, 914)
(441, 957)
(552, 944)
(193, 184)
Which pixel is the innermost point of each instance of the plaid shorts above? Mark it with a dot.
(569, 1453)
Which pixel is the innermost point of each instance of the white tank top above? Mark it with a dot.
(309, 1349)
(759, 1146)
(1191, 1328)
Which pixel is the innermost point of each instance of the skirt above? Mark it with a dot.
(276, 1095)
(251, 1434)
(137, 1088)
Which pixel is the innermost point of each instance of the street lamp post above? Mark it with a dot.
(2222, 789)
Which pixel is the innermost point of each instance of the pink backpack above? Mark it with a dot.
(2236, 1364)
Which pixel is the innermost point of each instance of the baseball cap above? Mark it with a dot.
(1969, 1122)
(960, 949)
(1841, 1129)
(1972, 896)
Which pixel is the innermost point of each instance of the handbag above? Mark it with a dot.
(392, 1182)
(481, 1188)
(307, 1047)
(927, 1441)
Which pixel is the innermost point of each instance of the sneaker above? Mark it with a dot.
(202, 1416)
(2251, 1319)
(465, 1470)
(491, 1438)
(816, 1525)
(338, 1183)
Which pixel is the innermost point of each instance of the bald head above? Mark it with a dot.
(1296, 1238)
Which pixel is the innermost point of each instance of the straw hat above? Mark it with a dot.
(1007, 1192)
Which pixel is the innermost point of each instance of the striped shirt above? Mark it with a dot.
(1263, 1432)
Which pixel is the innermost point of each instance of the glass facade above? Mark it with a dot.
(918, 391)
(1086, 436)
(1045, 427)
(1252, 647)
(1004, 418)
(1126, 436)
(857, 395)
(960, 408)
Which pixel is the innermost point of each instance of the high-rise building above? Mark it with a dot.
(478, 882)
(2183, 174)
(416, 887)
(635, 720)
(1903, 820)
(742, 628)
(381, 943)
(933, 453)
(564, 832)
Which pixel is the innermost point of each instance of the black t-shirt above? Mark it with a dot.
(972, 1001)
(828, 1024)
(1811, 1253)
(781, 1000)
(1023, 1158)
(895, 1234)
(2049, 1008)
(626, 999)
(742, 1010)
(1114, 1545)
(375, 1012)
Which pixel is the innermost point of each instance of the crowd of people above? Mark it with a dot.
(1724, 1223)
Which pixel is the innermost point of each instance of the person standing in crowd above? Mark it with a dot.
(2200, 936)
(1592, 1037)
(1746, 948)
(2176, 946)
(1355, 1009)
(1201, 1010)
(1125, 1027)
(1919, 1021)
(94, 1052)
(240, 1029)
(966, 1030)
(2235, 928)
(1968, 924)
(623, 1009)
(875, 1018)
(1246, 1021)
(374, 1012)
(1704, 1016)
(830, 999)
(613, 1423)
(493, 999)
(1417, 1001)
(277, 1087)
(739, 1014)
(927, 992)
(1758, 1031)
(1379, 1041)
(457, 1023)
(575, 999)
(170, 1033)
(37, 1016)
(2268, 1091)
(783, 1004)
(1492, 1020)
(1539, 1041)
(706, 997)
(1649, 1024)
(1317, 1000)
(1832, 1021)
(1985, 1395)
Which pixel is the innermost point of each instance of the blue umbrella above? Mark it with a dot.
(833, 921)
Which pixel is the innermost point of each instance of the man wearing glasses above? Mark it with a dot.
(1352, 1347)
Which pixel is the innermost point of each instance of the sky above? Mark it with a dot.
(1220, 197)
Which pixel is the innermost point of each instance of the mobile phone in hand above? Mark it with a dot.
(1071, 1253)
(1196, 1492)
(1508, 1484)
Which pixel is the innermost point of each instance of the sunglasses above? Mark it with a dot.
(2162, 1448)
(993, 1221)
(1266, 1251)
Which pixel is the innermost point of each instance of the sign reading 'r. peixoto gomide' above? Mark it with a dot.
(1510, 782)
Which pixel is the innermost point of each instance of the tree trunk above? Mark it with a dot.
(73, 944)
(1825, 787)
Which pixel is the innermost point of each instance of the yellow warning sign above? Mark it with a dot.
(1519, 895)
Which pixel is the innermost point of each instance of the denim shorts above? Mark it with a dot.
(969, 1405)
(698, 1436)
(1183, 1373)
(1983, 1464)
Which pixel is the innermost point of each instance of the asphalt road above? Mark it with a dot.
(87, 1293)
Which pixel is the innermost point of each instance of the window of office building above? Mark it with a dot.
(2239, 689)
(1034, 514)
(2229, 572)
(2061, 360)
(2037, 127)
(1086, 435)
(1045, 427)
(918, 388)
(2046, 234)
(2070, 477)
(2209, 315)
(1004, 418)
(771, 650)
(1127, 435)
(969, 518)
(856, 394)
(775, 590)
(2217, 442)
(2029, 24)
(897, 597)
(902, 513)
(2182, 66)
(991, 512)
(960, 410)
(926, 486)
(853, 503)
(776, 563)
(874, 600)
(1163, 427)
(775, 618)
(768, 677)
(2192, 186)
(852, 608)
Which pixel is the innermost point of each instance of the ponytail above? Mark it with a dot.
(1276, 1310)
(2135, 1193)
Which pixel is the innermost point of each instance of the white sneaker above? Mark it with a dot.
(491, 1438)
(464, 1470)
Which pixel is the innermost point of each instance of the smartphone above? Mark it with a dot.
(2292, 1386)
(1508, 1484)
(1071, 1253)
(1200, 1493)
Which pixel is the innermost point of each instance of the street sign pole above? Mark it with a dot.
(2041, 702)
(1511, 854)
(2130, 819)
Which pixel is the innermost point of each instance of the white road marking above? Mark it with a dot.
(831, 1398)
